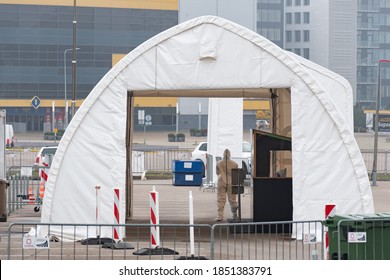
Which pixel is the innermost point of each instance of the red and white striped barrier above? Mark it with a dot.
(330, 210)
(116, 215)
(154, 219)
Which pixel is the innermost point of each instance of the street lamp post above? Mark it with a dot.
(200, 116)
(74, 61)
(65, 91)
(177, 117)
(378, 94)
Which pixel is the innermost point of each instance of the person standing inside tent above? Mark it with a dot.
(224, 187)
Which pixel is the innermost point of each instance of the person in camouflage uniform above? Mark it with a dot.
(224, 187)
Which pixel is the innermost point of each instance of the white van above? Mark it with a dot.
(43, 152)
(9, 136)
(199, 153)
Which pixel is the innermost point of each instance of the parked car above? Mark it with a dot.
(9, 136)
(262, 124)
(45, 151)
(199, 153)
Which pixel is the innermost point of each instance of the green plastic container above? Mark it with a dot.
(373, 245)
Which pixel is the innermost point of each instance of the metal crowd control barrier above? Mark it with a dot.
(24, 190)
(20, 157)
(159, 160)
(268, 241)
(174, 237)
(143, 159)
(231, 241)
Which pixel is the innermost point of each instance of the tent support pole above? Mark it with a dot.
(274, 104)
(129, 141)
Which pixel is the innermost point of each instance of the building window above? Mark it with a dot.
(288, 3)
(288, 36)
(306, 53)
(306, 17)
(306, 35)
(167, 119)
(272, 34)
(297, 18)
(297, 51)
(297, 35)
(306, 2)
(297, 2)
(269, 15)
(288, 18)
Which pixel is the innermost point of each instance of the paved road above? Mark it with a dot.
(364, 140)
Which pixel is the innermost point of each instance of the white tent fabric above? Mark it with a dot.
(210, 56)
(225, 130)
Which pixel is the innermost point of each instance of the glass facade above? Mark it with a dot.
(34, 40)
(367, 51)
(162, 118)
(270, 21)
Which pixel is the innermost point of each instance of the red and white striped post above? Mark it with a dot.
(154, 219)
(330, 210)
(154, 248)
(44, 176)
(116, 215)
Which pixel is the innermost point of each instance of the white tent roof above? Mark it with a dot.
(214, 57)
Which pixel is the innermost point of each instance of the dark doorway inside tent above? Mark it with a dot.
(272, 181)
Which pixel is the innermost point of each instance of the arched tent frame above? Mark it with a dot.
(209, 57)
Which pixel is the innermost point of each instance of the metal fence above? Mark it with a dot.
(366, 239)
(143, 160)
(231, 241)
(383, 160)
(15, 158)
(161, 159)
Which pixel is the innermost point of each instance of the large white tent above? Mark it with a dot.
(210, 57)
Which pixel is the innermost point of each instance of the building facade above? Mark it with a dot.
(36, 53)
(325, 33)
(373, 45)
(348, 37)
(384, 51)
(36, 49)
